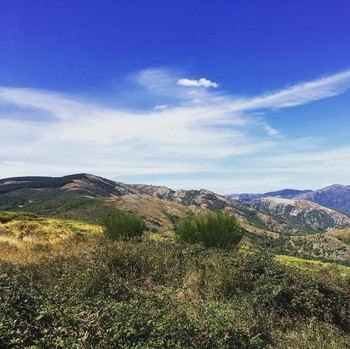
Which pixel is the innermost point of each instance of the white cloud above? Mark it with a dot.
(218, 133)
(270, 130)
(197, 83)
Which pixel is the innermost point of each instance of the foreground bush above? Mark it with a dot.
(123, 225)
(214, 229)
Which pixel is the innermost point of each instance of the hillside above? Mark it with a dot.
(160, 215)
(83, 196)
(336, 196)
(86, 183)
(88, 197)
(302, 213)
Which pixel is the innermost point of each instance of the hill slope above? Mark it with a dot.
(88, 197)
(335, 196)
(302, 212)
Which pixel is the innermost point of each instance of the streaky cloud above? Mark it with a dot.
(298, 94)
(213, 134)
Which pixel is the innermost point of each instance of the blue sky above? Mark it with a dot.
(231, 96)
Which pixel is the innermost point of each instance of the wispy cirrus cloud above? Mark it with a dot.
(188, 132)
(298, 94)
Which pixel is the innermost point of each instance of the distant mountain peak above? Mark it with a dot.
(335, 196)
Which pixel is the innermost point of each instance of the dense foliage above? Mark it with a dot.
(159, 294)
(123, 225)
(213, 229)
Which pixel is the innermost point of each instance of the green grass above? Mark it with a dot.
(214, 229)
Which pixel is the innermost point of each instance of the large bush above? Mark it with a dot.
(214, 229)
(123, 225)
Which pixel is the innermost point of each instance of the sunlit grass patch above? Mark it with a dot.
(311, 265)
(24, 234)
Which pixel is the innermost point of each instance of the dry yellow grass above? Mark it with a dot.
(24, 238)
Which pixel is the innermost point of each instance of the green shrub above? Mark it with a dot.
(123, 226)
(214, 229)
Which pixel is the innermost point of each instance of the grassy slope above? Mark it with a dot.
(25, 235)
(86, 292)
(160, 215)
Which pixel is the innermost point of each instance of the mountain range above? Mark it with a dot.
(335, 196)
(89, 197)
(301, 212)
(288, 221)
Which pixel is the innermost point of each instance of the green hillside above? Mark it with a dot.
(55, 202)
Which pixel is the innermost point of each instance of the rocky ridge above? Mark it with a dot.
(302, 212)
(336, 196)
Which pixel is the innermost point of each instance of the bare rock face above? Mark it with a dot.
(302, 212)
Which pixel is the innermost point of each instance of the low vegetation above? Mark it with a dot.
(214, 229)
(95, 292)
(159, 294)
